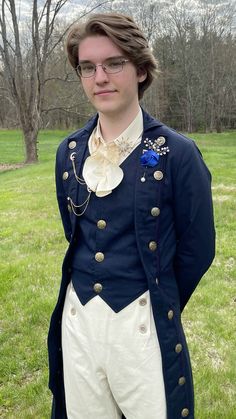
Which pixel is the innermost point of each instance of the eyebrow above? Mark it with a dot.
(108, 58)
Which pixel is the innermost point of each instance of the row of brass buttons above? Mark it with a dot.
(99, 257)
(178, 349)
(158, 175)
(182, 380)
(142, 327)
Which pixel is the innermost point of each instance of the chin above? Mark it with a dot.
(108, 109)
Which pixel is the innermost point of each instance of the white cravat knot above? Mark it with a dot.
(101, 170)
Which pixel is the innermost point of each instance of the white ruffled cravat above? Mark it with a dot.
(101, 170)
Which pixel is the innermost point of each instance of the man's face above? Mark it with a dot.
(111, 94)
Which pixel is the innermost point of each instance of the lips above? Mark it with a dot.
(104, 92)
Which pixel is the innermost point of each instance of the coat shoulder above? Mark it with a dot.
(76, 135)
(176, 140)
(182, 150)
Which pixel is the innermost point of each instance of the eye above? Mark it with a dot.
(113, 64)
(87, 67)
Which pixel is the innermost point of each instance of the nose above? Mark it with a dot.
(100, 75)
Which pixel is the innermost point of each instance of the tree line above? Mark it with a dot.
(194, 43)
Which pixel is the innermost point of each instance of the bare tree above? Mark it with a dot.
(24, 70)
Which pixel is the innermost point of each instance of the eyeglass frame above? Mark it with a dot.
(123, 61)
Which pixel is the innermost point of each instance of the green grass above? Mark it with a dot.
(32, 247)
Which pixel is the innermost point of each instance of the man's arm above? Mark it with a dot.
(194, 222)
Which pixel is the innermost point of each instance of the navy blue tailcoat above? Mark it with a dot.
(183, 232)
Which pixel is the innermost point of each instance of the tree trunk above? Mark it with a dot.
(218, 125)
(31, 142)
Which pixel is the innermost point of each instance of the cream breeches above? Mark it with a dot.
(112, 361)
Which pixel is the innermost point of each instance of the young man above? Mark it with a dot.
(135, 202)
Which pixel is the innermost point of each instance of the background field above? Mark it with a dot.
(32, 247)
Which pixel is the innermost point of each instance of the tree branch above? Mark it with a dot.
(68, 28)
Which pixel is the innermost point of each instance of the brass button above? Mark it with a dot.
(72, 145)
(182, 381)
(99, 256)
(152, 246)
(184, 413)
(155, 211)
(97, 287)
(69, 208)
(142, 328)
(73, 311)
(170, 314)
(101, 224)
(178, 348)
(142, 301)
(158, 175)
(65, 175)
(161, 141)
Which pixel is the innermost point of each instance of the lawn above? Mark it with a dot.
(32, 247)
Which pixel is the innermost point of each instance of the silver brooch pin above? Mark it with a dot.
(157, 145)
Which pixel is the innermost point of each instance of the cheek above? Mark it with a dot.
(87, 86)
(132, 85)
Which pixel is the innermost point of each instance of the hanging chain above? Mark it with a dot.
(82, 182)
(74, 207)
(79, 179)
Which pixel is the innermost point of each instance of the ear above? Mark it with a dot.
(142, 74)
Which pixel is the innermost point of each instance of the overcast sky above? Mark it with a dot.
(73, 9)
(69, 11)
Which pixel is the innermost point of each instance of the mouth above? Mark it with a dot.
(104, 92)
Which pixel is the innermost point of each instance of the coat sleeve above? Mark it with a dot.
(194, 223)
(61, 195)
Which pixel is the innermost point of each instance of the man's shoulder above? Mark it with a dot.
(177, 142)
(155, 126)
(77, 135)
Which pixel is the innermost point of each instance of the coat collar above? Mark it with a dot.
(148, 121)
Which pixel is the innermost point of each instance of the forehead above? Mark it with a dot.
(98, 48)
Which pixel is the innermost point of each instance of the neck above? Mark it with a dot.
(113, 125)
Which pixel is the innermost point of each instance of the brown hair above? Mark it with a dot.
(125, 34)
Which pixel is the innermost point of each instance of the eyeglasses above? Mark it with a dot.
(110, 66)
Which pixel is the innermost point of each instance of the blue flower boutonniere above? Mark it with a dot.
(155, 149)
(149, 158)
